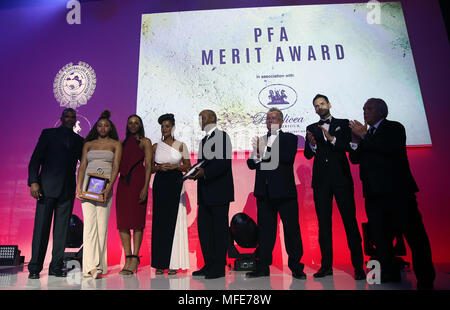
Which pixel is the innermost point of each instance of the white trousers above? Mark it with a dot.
(95, 235)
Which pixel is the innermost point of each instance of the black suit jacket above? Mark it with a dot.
(330, 161)
(54, 161)
(216, 188)
(383, 162)
(280, 182)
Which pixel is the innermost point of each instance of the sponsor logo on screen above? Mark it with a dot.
(277, 96)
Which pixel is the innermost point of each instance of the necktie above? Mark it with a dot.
(207, 137)
(371, 131)
(210, 135)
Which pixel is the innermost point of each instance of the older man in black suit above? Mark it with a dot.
(51, 177)
(215, 191)
(389, 191)
(273, 158)
(328, 142)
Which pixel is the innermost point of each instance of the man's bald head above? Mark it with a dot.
(207, 117)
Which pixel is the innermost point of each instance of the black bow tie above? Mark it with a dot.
(321, 122)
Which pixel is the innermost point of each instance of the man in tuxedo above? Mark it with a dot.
(328, 141)
(275, 191)
(215, 191)
(51, 177)
(389, 191)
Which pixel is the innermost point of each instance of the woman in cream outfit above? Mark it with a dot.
(101, 154)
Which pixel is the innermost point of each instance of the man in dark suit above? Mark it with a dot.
(51, 177)
(275, 191)
(215, 191)
(328, 141)
(389, 191)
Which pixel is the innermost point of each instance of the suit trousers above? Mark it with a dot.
(213, 233)
(95, 235)
(46, 208)
(398, 213)
(267, 218)
(323, 200)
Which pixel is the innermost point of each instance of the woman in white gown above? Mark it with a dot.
(170, 248)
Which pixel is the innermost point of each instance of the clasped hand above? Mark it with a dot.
(167, 167)
(259, 145)
(310, 137)
(358, 130)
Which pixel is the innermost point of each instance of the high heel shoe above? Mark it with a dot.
(96, 274)
(126, 268)
(133, 265)
(172, 272)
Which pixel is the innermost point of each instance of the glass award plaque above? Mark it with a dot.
(95, 186)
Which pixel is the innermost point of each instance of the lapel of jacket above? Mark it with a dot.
(333, 125)
(277, 140)
(380, 127)
(318, 134)
(200, 151)
(205, 139)
(281, 132)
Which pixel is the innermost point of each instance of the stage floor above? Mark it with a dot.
(16, 278)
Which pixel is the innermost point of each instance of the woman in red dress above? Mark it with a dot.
(132, 190)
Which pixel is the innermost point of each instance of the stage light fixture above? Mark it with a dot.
(74, 240)
(75, 232)
(10, 255)
(243, 231)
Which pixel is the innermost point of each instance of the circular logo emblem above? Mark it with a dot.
(74, 85)
(277, 96)
(82, 126)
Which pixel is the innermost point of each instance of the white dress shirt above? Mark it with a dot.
(209, 132)
(327, 127)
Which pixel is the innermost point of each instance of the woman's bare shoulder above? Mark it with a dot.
(146, 141)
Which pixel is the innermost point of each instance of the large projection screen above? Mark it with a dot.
(241, 62)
